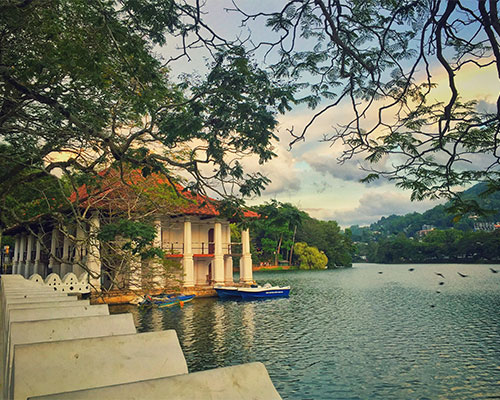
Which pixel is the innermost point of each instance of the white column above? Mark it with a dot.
(228, 270)
(15, 260)
(93, 253)
(218, 255)
(29, 260)
(37, 267)
(246, 274)
(79, 246)
(157, 267)
(187, 260)
(54, 242)
(226, 238)
(22, 260)
(65, 264)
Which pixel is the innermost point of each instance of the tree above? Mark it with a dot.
(379, 58)
(327, 237)
(310, 257)
(82, 89)
(273, 232)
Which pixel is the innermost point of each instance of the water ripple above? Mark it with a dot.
(355, 334)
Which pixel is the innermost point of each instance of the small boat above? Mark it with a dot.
(264, 292)
(256, 292)
(227, 292)
(165, 300)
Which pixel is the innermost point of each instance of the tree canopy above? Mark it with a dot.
(382, 59)
(82, 89)
(282, 225)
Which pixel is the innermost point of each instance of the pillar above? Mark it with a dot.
(93, 253)
(54, 243)
(246, 274)
(187, 260)
(218, 255)
(29, 250)
(65, 263)
(15, 260)
(22, 260)
(37, 266)
(79, 246)
(157, 267)
(228, 270)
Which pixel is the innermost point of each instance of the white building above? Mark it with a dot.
(194, 235)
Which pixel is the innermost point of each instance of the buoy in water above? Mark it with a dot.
(181, 303)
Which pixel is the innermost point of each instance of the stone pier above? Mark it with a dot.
(54, 346)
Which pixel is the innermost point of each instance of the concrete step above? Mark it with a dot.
(85, 363)
(242, 382)
(54, 330)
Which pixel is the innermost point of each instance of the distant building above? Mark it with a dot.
(425, 230)
(484, 226)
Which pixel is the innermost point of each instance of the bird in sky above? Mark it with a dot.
(411, 269)
(493, 270)
(462, 275)
(441, 283)
(439, 274)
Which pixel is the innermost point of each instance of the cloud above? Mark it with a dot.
(281, 170)
(349, 171)
(374, 205)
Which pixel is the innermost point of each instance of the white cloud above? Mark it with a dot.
(281, 170)
(352, 170)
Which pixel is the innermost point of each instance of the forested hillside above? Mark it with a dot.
(438, 234)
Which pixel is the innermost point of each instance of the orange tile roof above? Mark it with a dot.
(113, 187)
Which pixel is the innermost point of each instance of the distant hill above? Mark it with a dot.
(437, 217)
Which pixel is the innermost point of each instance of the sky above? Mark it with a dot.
(308, 175)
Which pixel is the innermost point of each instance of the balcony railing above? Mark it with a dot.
(201, 248)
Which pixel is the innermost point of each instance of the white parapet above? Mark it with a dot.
(37, 314)
(85, 363)
(63, 329)
(242, 382)
(70, 283)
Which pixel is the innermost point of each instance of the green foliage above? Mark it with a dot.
(82, 89)
(273, 232)
(327, 237)
(437, 246)
(136, 236)
(310, 257)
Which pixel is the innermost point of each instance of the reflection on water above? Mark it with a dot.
(356, 333)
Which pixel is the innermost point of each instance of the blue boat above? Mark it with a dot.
(266, 292)
(256, 292)
(165, 300)
(227, 292)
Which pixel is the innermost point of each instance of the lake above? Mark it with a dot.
(371, 332)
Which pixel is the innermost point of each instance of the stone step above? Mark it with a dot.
(242, 382)
(85, 363)
(63, 329)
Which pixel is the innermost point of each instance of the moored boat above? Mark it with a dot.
(227, 292)
(256, 292)
(265, 292)
(165, 300)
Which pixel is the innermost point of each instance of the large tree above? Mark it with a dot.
(382, 59)
(82, 89)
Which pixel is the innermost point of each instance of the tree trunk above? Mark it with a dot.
(278, 251)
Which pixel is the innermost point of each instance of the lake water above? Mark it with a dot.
(371, 332)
